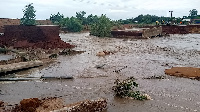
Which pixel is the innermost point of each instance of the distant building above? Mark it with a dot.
(195, 21)
(192, 20)
(187, 20)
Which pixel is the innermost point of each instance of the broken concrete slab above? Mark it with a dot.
(19, 66)
(141, 33)
(18, 79)
(37, 78)
(152, 32)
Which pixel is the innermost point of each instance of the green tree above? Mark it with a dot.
(102, 27)
(146, 19)
(29, 15)
(193, 12)
(64, 22)
(56, 18)
(80, 15)
(72, 24)
(126, 21)
(92, 19)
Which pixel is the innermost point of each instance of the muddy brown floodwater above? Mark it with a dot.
(143, 58)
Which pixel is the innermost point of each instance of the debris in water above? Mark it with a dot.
(100, 66)
(119, 70)
(155, 77)
(103, 53)
(147, 96)
(98, 105)
(70, 52)
(57, 77)
(100, 54)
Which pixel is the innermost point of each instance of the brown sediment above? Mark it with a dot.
(188, 72)
(103, 53)
(49, 104)
(98, 105)
(37, 105)
(2, 106)
(54, 104)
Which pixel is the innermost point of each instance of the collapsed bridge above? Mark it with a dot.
(153, 31)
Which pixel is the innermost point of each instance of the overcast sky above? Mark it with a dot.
(114, 9)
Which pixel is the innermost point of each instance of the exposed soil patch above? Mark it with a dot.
(98, 105)
(188, 72)
(104, 53)
(37, 105)
(54, 104)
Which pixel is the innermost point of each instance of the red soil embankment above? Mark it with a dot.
(45, 37)
(178, 29)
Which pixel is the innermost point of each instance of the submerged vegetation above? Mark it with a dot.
(3, 50)
(125, 89)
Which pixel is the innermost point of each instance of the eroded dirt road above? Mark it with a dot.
(143, 58)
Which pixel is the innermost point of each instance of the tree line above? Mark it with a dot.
(99, 25)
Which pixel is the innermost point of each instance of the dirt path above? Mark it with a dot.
(143, 58)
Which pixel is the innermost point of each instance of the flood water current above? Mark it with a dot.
(143, 58)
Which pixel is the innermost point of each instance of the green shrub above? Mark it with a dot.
(72, 24)
(125, 89)
(56, 18)
(102, 27)
(3, 50)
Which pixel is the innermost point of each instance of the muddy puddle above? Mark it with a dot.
(143, 58)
